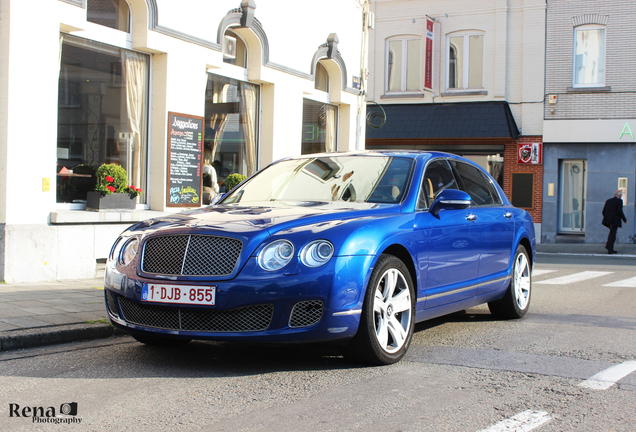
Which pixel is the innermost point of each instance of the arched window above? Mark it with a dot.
(321, 80)
(589, 56)
(234, 49)
(110, 13)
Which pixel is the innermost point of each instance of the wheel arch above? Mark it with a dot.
(403, 254)
(525, 242)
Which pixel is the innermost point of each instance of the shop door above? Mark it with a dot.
(573, 194)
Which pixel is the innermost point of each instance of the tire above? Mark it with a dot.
(388, 315)
(160, 341)
(516, 302)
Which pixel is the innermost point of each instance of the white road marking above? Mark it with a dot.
(608, 377)
(573, 278)
(522, 422)
(628, 283)
(541, 272)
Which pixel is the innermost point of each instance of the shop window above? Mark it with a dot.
(234, 49)
(403, 63)
(322, 78)
(320, 127)
(231, 120)
(110, 13)
(465, 61)
(102, 116)
(589, 56)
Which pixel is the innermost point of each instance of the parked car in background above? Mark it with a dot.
(350, 248)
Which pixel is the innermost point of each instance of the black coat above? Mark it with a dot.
(613, 212)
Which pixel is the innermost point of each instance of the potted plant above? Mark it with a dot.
(232, 181)
(112, 191)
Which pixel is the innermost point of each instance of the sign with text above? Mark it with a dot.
(530, 153)
(428, 72)
(185, 149)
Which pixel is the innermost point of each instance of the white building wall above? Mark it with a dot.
(40, 241)
(514, 51)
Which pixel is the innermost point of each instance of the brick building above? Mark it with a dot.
(590, 118)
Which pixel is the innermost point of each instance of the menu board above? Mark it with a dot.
(185, 149)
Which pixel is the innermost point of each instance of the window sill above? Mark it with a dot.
(402, 95)
(589, 89)
(61, 217)
(465, 93)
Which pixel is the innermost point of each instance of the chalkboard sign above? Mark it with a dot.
(523, 190)
(185, 148)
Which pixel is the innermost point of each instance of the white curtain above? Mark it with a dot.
(136, 73)
(218, 120)
(331, 127)
(248, 106)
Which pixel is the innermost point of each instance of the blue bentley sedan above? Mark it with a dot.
(350, 248)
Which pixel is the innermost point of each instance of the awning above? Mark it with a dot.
(443, 121)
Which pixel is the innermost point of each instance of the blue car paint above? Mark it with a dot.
(360, 232)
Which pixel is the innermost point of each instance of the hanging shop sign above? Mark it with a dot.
(530, 153)
(185, 148)
(428, 71)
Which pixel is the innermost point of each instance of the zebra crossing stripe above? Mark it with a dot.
(608, 377)
(541, 272)
(628, 283)
(522, 422)
(573, 278)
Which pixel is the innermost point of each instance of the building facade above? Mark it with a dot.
(464, 77)
(590, 118)
(126, 82)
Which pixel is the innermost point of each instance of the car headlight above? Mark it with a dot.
(129, 251)
(114, 252)
(276, 255)
(316, 253)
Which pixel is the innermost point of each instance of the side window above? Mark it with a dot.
(474, 183)
(437, 177)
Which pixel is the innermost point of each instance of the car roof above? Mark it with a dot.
(413, 154)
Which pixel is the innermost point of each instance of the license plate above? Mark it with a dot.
(179, 294)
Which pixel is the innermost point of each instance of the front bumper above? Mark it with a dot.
(297, 304)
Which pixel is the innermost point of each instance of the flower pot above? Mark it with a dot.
(116, 201)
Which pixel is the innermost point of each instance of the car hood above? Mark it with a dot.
(246, 221)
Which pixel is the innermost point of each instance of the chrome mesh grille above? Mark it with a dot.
(306, 313)
(191, 255)
(244, 319)
(112, 306)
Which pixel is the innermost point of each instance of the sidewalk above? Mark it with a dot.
(45, 313)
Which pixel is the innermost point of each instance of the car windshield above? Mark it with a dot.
(374, 179)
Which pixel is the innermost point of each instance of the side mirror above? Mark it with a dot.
(450, 199)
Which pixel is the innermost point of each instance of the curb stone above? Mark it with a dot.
(41, 336)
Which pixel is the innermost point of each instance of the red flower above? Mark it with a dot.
(109, 179)
(138, 190)
(110, 188)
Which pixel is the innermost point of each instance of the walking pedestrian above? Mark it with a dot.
(612, 216)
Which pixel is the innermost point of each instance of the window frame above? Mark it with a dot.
(129, 23)
(404, 65)
(585, 27)
(466, 61)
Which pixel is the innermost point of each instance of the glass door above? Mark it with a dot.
(573, 194)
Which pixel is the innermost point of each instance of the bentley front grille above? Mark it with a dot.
(243, 319)
(191, 255)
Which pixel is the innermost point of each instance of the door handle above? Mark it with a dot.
(471, 217)
(508, 215)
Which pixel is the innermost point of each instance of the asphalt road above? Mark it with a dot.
(464, 372)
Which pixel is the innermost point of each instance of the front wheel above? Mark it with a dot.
(388, 315)
(516, 301)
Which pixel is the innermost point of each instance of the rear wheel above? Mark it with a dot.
(516, 302)
(160, 341)
(388, 315)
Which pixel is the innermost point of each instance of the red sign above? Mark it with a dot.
(428, 72)
(530, 153)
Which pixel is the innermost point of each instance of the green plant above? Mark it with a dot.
(112, 178)
(233, 180)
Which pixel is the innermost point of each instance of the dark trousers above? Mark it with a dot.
(611, 238)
